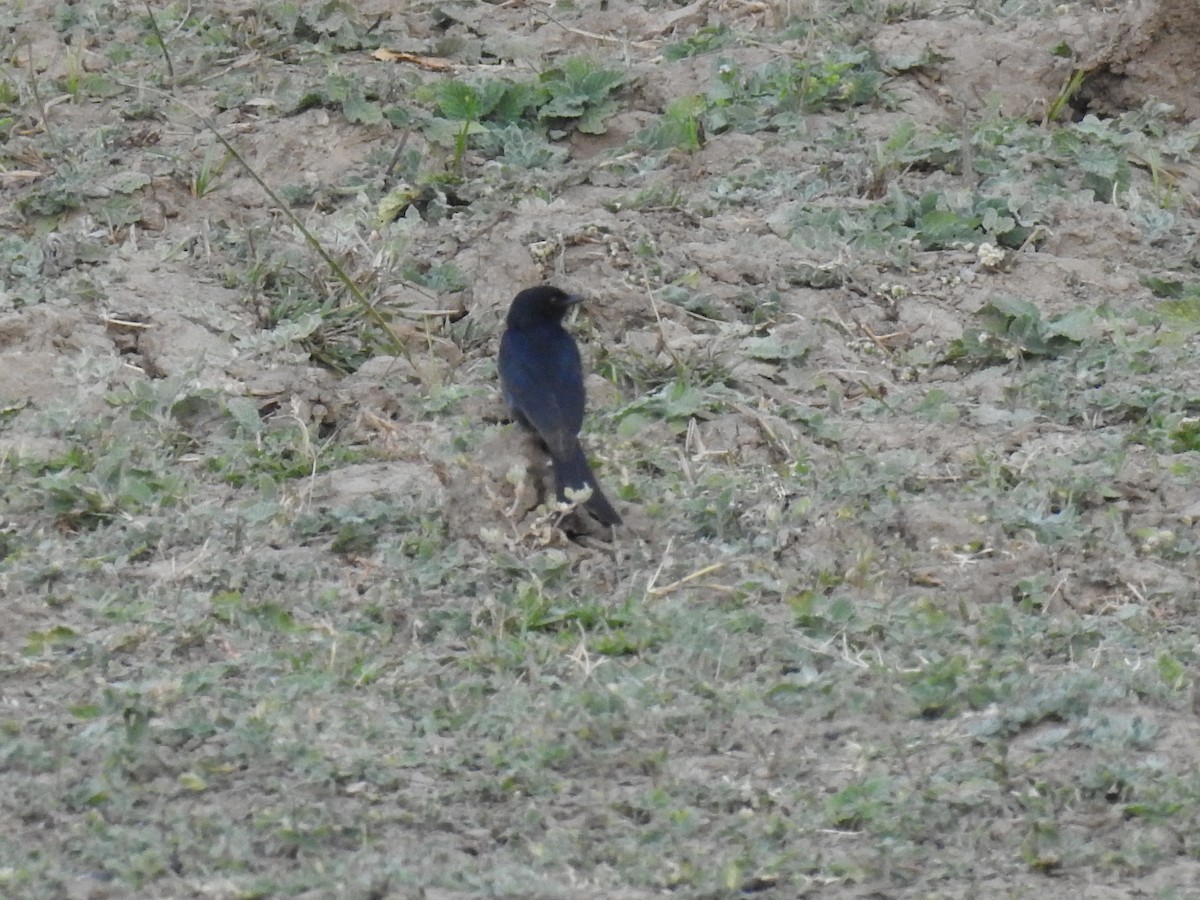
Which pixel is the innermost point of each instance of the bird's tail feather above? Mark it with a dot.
(571, 470)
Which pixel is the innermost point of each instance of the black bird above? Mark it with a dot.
(542, 379)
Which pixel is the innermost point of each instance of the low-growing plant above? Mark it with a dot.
(773, 96)
(681, 126)
(1011, 329)
(349, 94)
(207, 175)
(88, 487)
(703, 40)
(579, 95)
(462, 110)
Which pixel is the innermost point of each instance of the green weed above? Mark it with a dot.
(1012, 329)
(579, 95)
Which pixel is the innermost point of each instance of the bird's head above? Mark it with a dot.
(540, 304)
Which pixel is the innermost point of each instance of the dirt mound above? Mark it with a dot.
(1092, 61)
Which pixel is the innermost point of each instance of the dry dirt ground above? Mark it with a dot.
(906, 601)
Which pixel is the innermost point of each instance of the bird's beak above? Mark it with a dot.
(573, 299)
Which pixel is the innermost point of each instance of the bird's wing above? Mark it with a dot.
(543, 384)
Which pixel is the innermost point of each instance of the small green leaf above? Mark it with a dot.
(1181, 315)
(245, 414)
(40, 641)
(1011, 307)
(772, 349)
(592, 119)
(1078, 325)
(458, 100)
(361, 111)
(1171, 670)
(940, 227)
(1101, 161)
(1162, 287)
(190, 781)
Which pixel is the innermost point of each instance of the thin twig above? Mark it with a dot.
(162, 43)
(676, 585)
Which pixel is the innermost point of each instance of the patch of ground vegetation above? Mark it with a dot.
(894, 380)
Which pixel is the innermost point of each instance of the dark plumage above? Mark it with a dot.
(542, 379)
